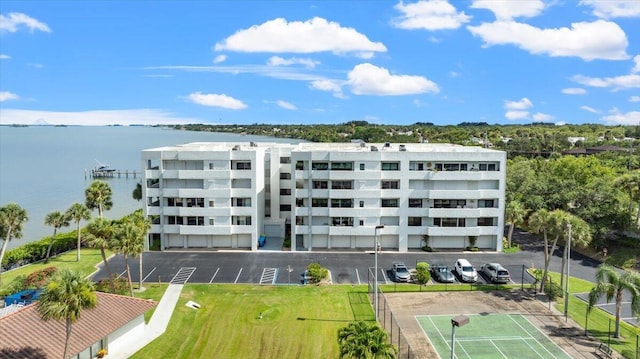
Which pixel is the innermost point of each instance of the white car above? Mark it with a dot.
(465, 271)
(400, 272)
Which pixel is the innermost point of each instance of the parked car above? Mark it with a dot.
(465, 271)
(442, 274)
(400, 272)
(495, 273)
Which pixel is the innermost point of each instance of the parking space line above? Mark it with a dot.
(183, 275)
(358, 276)
(147, 276)
(121, 274)
(238, 277)
(214, 275)
(384, 275)
(269, 275)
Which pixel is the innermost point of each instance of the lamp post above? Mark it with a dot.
(456, 322)
(375, 275)
(566, 283)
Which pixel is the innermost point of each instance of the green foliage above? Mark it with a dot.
(316, 272)
(365, 340)
(36, 251)
(120, 285)
(423, 275)
(38, 278)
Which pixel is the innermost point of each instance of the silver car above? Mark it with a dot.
(400, 272)
(495, 273)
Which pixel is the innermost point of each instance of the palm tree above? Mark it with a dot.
(99, 235)
(515, 213)
(144, 223)
(631, 183)
(55, 219)
(611, 283)
(129, 242)
(12, 217)
(77, 212)
(365, 340)
(98, 196)
(64, 298)
(137, 192)
(540, 222)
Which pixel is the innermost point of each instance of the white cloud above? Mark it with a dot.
(368, 79)
(35, 65)
(15, 20)
(220, 58)
(4, 57)
(429, 15)
(574, 91)
(616, 83)
(589, 109)
(334, 86)
(315, 35)
(629, 118)
(454, 74)
(588, 40)
(509, 9)
(542, 117)
(93, 118)
(6, 96)
(614, 8)
(215, 100)
(523, 104)
(516, 115)
(636, 67)
(279, 61)
(634, 99)
(286, 105)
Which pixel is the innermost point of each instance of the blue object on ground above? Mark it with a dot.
(261, 241)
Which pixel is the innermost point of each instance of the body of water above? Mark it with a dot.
(42, 168)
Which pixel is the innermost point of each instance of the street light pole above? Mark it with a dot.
(375, 276)
(456, 322)
(566, 283)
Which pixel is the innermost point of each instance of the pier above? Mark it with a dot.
(111, 173)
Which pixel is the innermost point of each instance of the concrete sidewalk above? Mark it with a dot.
(156, 326)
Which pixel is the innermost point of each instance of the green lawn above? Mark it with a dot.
(89, 259)
(297, 322)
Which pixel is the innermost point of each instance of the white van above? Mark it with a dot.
(465, 271)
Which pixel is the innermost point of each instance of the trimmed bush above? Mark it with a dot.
(316, 272)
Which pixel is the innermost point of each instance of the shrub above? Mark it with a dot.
(422, 273)
(316, 272)
(119, 283)
(38, 278)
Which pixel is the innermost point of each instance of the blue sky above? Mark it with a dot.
(312, 62)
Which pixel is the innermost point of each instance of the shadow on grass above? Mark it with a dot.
(360, 306)
(326, 320)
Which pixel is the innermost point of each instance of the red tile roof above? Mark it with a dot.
(24, 335)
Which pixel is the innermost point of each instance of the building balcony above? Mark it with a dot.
(324, 229)
(243, 211)
(204, 230)
(344, 231)
(463, 194)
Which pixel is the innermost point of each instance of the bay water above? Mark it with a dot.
(47, 168)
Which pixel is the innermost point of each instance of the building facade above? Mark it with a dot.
(325, 195)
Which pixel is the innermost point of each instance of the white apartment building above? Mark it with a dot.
(325, 195)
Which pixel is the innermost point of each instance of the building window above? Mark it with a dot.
(319, 202)
(322, 166)
(285, 175)
(285, 208)
(486, 221)
(361, 203)
(415, 202)
(284, 160)
(341, 184)
(241, 165)
(486, 203)
(301, 220)
(300, 202)
(342, 221)
(320, 184)
(210, 166)
(285, 191)
(362, 167)
(195, 221)
(195, 202)
(389, 202)
(212, 203)
(449, 203)
(390, 184)
(241, 202)
(241, 220)
(415, 221)
(362, 222)
(211, 221)
(301, 165)
(449, 222)
(341, 203)
(342, 166)
(488, 167)
(390, 166)
(174, 220)
(416, 166)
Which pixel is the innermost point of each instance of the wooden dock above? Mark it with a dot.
(94, 173)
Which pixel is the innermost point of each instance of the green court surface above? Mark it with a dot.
(490, 336)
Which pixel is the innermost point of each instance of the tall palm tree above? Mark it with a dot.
(611, 283)
(365, 340)
(12, 218)
(98, 196)
(99, 235)
(515, 213)
(137, 192)
(580, 238)
(539, 222)
(64, 298)
(129, 242)
(55, 219)
(77, 212)
(144, 223)
(630, 182)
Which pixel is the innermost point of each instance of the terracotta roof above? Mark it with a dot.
(25, 335)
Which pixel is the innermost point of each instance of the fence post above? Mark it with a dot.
(522, 279)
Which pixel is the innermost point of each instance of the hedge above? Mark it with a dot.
(37, 251)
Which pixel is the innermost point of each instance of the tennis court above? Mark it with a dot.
(490, 336)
